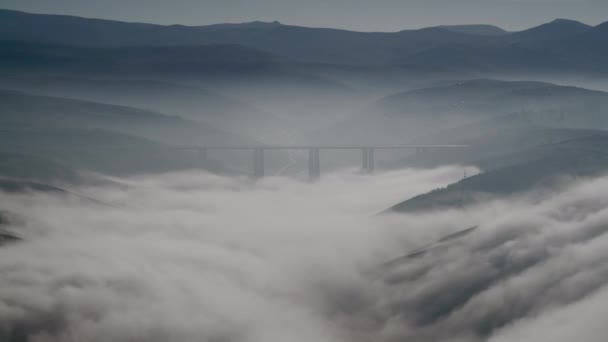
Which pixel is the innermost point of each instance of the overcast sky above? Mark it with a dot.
(364, 15)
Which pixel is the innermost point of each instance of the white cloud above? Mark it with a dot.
(185, 257)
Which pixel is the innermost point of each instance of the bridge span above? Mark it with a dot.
(368, 163)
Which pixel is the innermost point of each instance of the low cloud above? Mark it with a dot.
(191, 256)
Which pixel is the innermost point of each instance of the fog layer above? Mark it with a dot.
(191, 257)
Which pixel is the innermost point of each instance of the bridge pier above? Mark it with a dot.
(314, 163)
(369, 162)
(203, 157)
(258, 163)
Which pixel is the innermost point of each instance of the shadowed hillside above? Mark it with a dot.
(541, 168)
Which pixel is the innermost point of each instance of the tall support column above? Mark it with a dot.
(371, 160)
(364, 160)
(258, 163)
(314, 163)
(369, 163)
(203, 156)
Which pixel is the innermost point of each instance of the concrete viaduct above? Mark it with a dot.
(314, 161)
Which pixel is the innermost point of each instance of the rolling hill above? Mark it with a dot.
(207, 107)
(558, 46)
(25, 110)
(62, 153)
(412, 115)
(50, 139)
(200, 59)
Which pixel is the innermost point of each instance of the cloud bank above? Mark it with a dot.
(191, 257)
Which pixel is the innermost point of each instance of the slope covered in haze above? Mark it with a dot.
(97, 151)
(280, 92)
(33, 167)
(25, 110)
(414, 114)
(488, 142)
(186, 101)
(482, 99)
(46, 138)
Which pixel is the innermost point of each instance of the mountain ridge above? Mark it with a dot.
(497, 50)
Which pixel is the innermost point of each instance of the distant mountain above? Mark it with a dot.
(28, 56)
(249, 25)
(544, 48)
(557, 29)
(70, 30)
(561, 47)
(298, 43)
(482, 30)
(589, 47)
(335, 46)
(597, 32)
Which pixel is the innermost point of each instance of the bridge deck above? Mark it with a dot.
(320, 147)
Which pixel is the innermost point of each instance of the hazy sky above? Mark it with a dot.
(365, 15)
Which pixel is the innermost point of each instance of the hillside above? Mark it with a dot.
(480, 96)
(539, 168)
(207, 107)
(412, 115)
(32, 167)
(25, 110)
(26, 55)
(51, 139)
(91, 150)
